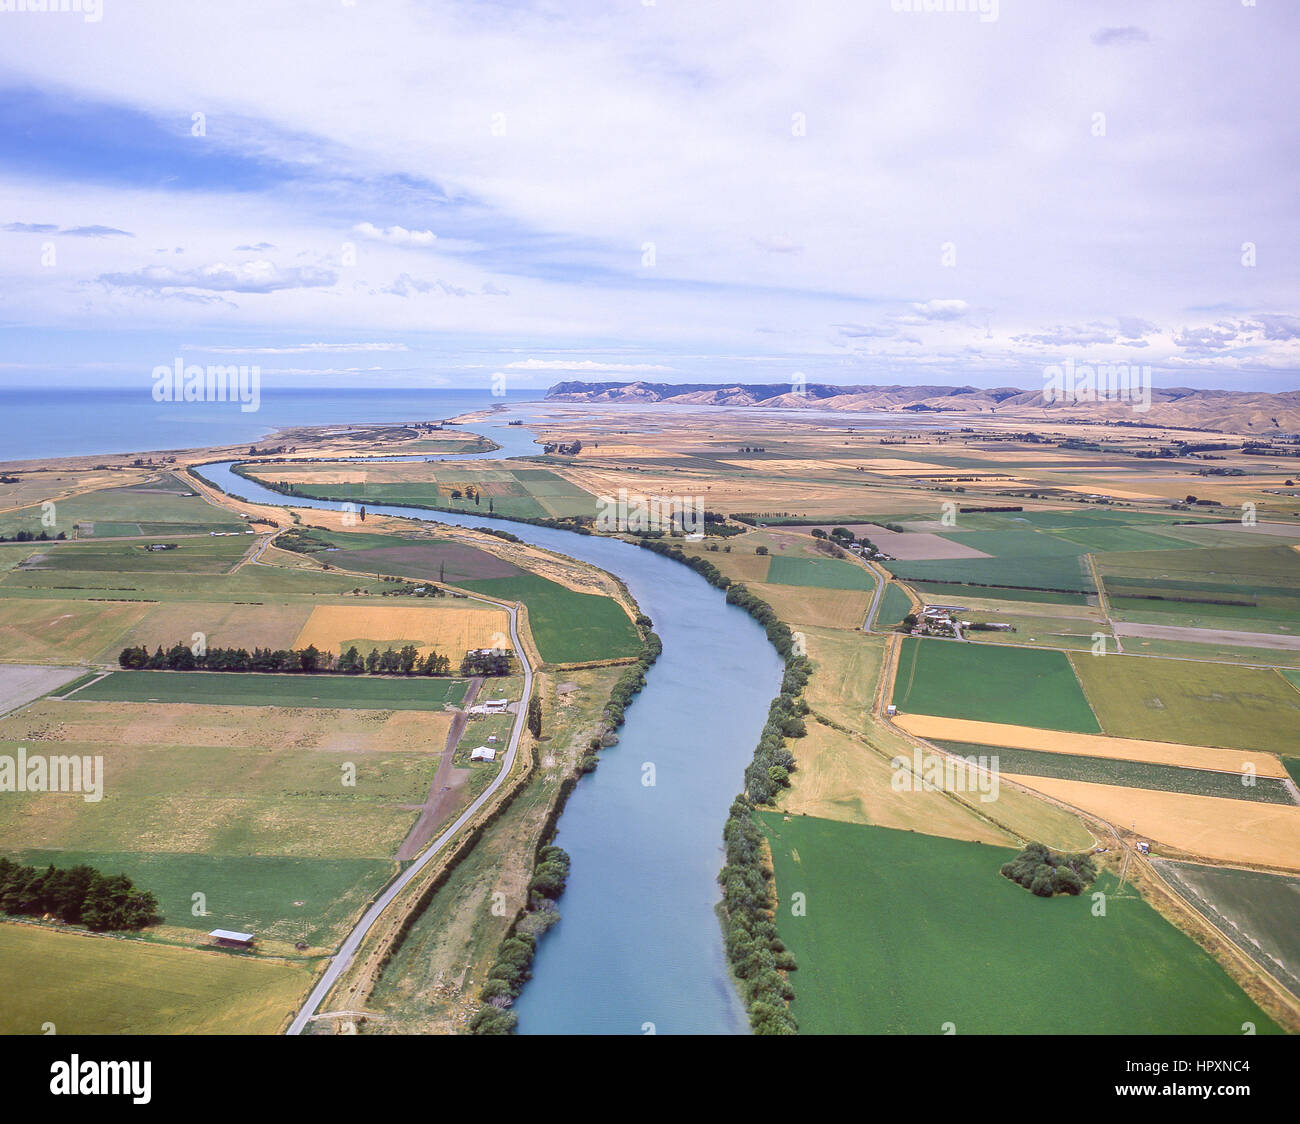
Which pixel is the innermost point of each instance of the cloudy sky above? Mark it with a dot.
(429, 192)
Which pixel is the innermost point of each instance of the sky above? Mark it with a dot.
(439, 193)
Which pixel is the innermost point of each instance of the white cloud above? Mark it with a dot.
(396, 235)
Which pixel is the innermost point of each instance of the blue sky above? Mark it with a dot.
(432, 193)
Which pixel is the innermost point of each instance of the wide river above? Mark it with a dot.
(640, 946)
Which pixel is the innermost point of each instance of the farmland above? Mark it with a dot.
(1128, 774)
(991, 684)
(450, 630)
(1199, 703)
(875, 958)
(55, 977)
(366, 692)
(568, 627)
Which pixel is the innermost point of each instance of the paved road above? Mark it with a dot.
(341, 960)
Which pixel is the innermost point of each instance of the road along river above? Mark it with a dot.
(639, 948)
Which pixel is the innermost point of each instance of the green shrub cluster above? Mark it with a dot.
(1046, 872)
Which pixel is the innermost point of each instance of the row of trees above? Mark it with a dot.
(29, 536)
(308, 660)
(79, 895)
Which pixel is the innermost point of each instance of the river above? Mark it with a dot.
(639, 948)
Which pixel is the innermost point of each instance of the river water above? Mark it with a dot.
(639, 947)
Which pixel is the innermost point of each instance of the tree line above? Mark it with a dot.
(309, 660)
(78, 895)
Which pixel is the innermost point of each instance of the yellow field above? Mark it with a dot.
(827, 608)
(1089, 745)
(223, 624)
(450, 631)
(50, 631)
(98, 985)
(1210, 827)
(838, 778)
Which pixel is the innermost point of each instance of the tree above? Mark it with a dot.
(760, 550)
(535, 716)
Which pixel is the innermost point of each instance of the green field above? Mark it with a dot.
(227, 688)
(821, 573)
(991, 683)
(1193, 703)
(247, 893)
(894, 606)
(1048, 571)
(952, 591)
(98, 985)
(158, 507)
(202, 555)
(568, 627)
(1127, 774)
(527, 493)
(905, 933)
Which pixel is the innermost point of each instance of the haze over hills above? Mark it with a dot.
(1184, 407)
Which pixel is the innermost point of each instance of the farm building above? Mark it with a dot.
(228, 938)
(483, 753)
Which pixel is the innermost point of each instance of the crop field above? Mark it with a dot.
(894, 606)
(819, 608)
(844, 778)
(1208, 827)
(201, 555)
(366, 692)
(1051, 572)
(57, 977)
(74, 720)
(876, 958)
(1017, 686)
(449, 629)
(58, 631)
(1128, 774)
(820, 573)
(568, 627)
(531, 493)
(1091, 745)
(155, 506)
(228, 800)
(443, 562)
(1196, 703)
(952, 591)
(223, 624)
(280, 899)
(1261, 912)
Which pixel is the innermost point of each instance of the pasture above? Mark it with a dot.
(1197, 703)
(280, 899)
(987, 683)
(365, 692)
(875, 957)
(567, 626)
(55, 977)
(819, 573)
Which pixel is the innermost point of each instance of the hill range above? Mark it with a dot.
(1223, 411)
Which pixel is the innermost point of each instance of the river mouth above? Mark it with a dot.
(639, 948)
